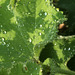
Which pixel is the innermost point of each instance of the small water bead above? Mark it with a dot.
(31, 74)
(57, 9)
(40, 25)
(1, 26)
(9, 55)
(19, 45)
(4, 43)
(58, 21)
(24, 4)
(73, 50)
(28, 13)
(13, 62)
(43, 30)
(40, 14)
(36, 68)
(64, 48)
(16, 22)
(37, 73)
(49, 27)
(55, 20)
(7, 45)
(55, 44)
(23, 25)
(69, 48)
(45, 13)
(21, 49)
(4, 32)
(39, 33)
(12, 47)
(30, 40)
(2, 39)
(71, 53)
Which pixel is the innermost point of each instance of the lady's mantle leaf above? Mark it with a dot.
(25, 27)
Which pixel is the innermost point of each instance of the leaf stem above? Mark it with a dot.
(65, 37)
(62, 71)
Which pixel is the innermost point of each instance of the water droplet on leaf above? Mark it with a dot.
(30, 40)
(40, 25)
(69, 48)
(4, 32)
(64, 48)
(2, 39)
(7, 45)
(40, 33)
(45, 13)
(55, 44)
(31, 73)
(4, 43)
(1, 26)
(36, 68)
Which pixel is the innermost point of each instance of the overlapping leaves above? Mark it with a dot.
(23, 25)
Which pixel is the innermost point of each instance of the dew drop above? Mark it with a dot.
(73, 50)
(16, 22)
(35, 27)
(40, 25)
(31, 74)
(40, 14)
(13, 62)
(37, 73)
(28, 13)
(12, 48)
(64, 48)
(21, 49)
(55, 44)
(36, 68)
(30, 40)
(55, 20)
(57, 9)
(40, 33)
(49, 27)
(2, 39)
(1, 26)
(4, 43)
(23, 25)
(43, 30)
(69, 48)
(7, 45)
(4, 32)
(45, 13)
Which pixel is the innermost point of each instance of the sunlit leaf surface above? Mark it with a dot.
(25, 27)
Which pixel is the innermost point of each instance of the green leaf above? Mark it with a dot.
(28, 68)
(59, 52)
(26, 27)
(3, 71)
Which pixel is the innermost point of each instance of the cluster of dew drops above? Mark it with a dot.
(71, 50)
